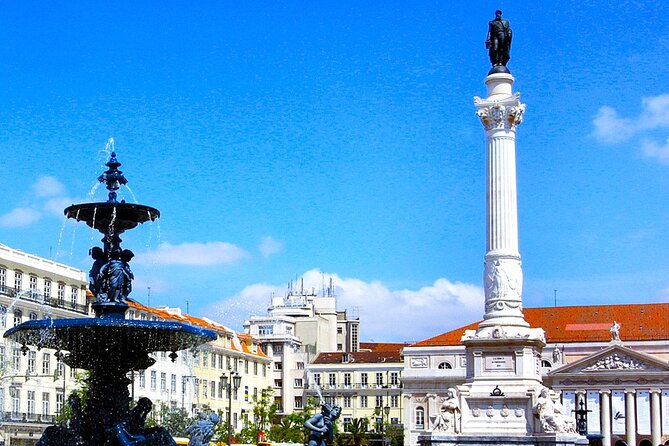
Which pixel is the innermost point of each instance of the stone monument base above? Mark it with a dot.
(497, 440)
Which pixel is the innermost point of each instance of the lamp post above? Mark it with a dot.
(386, 412)
(230, 381)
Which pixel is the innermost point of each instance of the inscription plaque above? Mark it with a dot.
(499, 363)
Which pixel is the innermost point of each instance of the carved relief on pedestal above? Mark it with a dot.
(448, 418)
(503, 281)
(418, 362)
(504, 114)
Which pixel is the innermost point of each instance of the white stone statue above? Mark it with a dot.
(552, 415)
(557, 355)
(448, 419)
(615, 331)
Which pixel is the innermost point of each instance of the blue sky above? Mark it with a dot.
(339, 139)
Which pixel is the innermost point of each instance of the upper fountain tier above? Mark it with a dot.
(112, 217)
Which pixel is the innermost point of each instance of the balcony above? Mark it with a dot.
(33, 296)
(23, 417)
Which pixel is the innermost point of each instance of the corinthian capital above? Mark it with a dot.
(500, 114)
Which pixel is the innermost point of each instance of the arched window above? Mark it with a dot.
(545, 363)
(445, 365)
(420, 418)
(18, 317)
(33, 316)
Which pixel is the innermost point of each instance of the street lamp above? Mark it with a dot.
(386, 412)
(232, 381)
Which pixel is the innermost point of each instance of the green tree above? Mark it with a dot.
(356, 432)
(175, 420)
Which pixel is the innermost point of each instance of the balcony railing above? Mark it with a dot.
(34, 296)
(23, 417)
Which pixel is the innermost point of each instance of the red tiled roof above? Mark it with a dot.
(383, 346)
(358, 357)
(586, 323)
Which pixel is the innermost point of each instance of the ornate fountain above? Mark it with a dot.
(108, 345)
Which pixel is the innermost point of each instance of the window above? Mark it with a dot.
(16, 401)
(278, 349)
(212, 389)
(204, 388)
(33, 286)
(205, 359)
(420, 418)
(32, 316)
(61, 293)
(300, 365)
(278, 366)
(332, 379)
(45, 403)
(297, 402)
(379, 401)
(255, 368)
(197, 386)
(2, 360)
(264, 370)
(142, 379)
(545, 363)
(347, 424)
(3, 316)
(246, 366)
(394, 378)
(340, 330)
(153, 379)
(246, 393)
(18, 280)
(347, 402)
(445, 365)
(16, 359)
(265, 329)
(131, 314)
(31, 402)
(363, 380)
(363, 401)
(60, 368)
(163, 381)
(74, 296)
(18, 317)
(32, 360)
(47, 289)
(379, 379)
(347, 379)
(173, 383)
(3, 279)
(60, 401)
(317, 379)
(299, 382)
(394, 401)
(340, 347)
(278, 383)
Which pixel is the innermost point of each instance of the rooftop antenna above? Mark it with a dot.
(149, 295)
(187, 307)
(555, 298)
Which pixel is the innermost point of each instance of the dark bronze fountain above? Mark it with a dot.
(108, 345)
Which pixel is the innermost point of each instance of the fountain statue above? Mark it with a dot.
(108, 345)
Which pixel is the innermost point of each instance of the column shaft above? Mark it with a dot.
(655, 422)
(630, 417)
(606, 417)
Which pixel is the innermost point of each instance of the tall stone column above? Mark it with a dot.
(630, 417)
(605, 416)
(655, 422)
(500, 113)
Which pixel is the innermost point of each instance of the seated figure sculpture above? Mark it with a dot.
(202, 431)
(131, 431)
(552, 415)
(448, 419)
(116, 277)
(321, 425)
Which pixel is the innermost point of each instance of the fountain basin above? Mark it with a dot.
(122, 216)
(123, 341)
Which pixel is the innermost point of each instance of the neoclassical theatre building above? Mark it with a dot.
(619, 372)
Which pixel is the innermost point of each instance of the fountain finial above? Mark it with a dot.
(113, 178)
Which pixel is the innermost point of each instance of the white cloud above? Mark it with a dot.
(269, 246)
(611, 128)
(48, 186)
(194, 254)
(660, 152)
(385, 314)
(19, 217)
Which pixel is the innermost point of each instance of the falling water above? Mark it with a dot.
(312, 382)
(91, 238)
(74, 235)
(132, 194)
